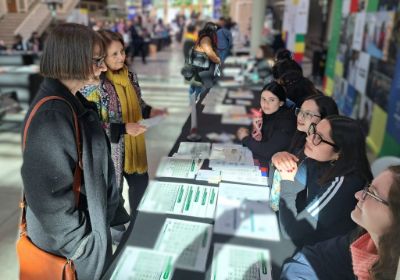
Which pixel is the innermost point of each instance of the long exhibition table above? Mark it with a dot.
(147, 226)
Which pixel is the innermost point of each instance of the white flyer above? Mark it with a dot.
(233, 262)
(243, 210)
(190, 241)
(178, 168)
(152, 121)
(144, 264)
(193, 150)
(180, 199)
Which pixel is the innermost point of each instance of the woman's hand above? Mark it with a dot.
(284, 161)
(158, 112)
(134, 129)
(242, 133)
(288, 175)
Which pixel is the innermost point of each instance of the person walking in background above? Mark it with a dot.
(138, 44)
(225, 41)
(190, 38)
(73, 57)
(370, 252)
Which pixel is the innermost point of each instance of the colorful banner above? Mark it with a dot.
(363, 69)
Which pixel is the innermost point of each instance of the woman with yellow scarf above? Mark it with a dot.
(121, 107)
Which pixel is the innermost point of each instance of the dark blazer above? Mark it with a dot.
(54, 223)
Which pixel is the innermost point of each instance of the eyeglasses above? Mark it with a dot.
(317, 138)
(366, 192)
(305, 115)
(98, 61)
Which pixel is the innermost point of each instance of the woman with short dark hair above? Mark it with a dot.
(73, 57)
(337, 167)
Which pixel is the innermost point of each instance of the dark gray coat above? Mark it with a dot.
(54, 224)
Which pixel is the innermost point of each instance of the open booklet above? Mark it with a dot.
(180, 199)
(243, 210)
(190, 241)
(144, 264)
(235, 262)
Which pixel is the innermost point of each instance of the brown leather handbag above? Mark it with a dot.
(35, 263)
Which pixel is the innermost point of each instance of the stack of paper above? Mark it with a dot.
(243, 210)
(235, 262)
(248, 176)
(144, 264)
(192, 150)
(180, 199)
(228, 156)
(178, 168)
(190, 241)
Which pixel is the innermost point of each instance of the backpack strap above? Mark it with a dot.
(78, 167)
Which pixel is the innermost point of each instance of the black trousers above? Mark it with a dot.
(137, 186)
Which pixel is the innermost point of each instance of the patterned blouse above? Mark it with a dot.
(109, 109)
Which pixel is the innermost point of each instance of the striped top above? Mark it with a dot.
(310, 213)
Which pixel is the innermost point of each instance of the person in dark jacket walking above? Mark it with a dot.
(317, 206)
(73, 57)
(371, 252)
(272, 131)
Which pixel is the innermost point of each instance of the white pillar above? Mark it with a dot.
(257, 22)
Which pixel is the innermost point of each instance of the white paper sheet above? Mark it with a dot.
(230, 156)
(232, 71)
(193, 150)
(236, 119)
(243, 210)
(144, 264)
(180, 199)
(224, 109)
(211, 176)
(246, 176)
(233, 262)
(243, 102)
(152, 121)
(190, 241)
(178, 168)
(243, 94)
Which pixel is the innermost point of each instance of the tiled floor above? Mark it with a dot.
(162, 86)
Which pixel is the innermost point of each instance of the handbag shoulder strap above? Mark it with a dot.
(78, 167)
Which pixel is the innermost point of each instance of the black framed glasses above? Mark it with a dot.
(98, 61)
(317, 138)
(305, 114)
(366, 192)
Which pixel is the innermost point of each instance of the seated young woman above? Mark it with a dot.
(313, 110)
(274, 130)
(371, 252)
(337, 167)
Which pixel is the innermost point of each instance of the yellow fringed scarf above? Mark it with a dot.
(135, 160)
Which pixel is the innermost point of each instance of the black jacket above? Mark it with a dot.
(328, 260)
(313, 213)
(54, 223)
(277, 132)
